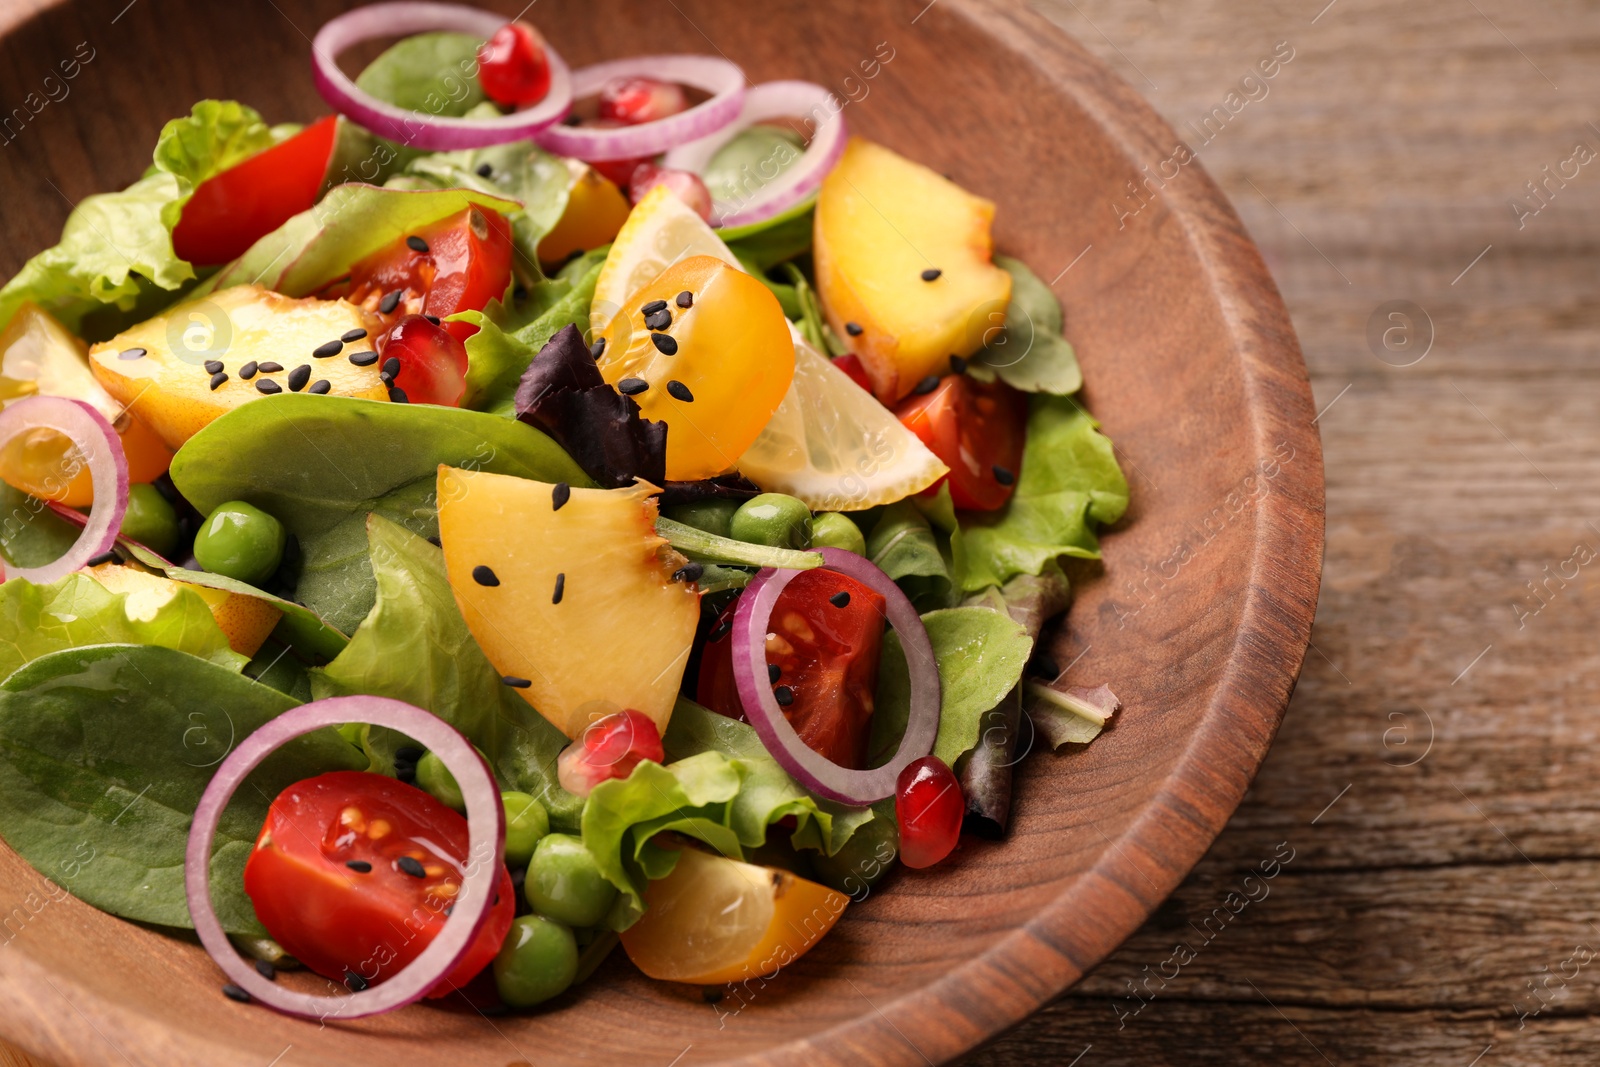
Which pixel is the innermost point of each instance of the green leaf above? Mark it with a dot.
(780, 238)
(415, 647)
(701, 545)
(980, 655)
(1029, 353)
(496, 360)
(319, 464)
(1069, 482)
(31, 535)
(902, 545)
(215, 135)
(76, 610)
(435, 74)
(104, 753)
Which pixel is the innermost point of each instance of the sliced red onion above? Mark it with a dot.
(97, 442)
(486, 835)
(811, 769)
(410, 127)
(722, 79)
(773, 100)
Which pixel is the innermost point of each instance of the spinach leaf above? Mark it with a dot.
(1029, 353)
(31, 535)
(321, 463)
(435, 74)
(496, 360)
(76, 610)
(764, 245)
(1069, 482)
(104, 752)
(415, 647)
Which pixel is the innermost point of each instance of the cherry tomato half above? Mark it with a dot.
(978, 431)
(822, 656)
(433, 364)
(459, 263)
(230, 211)
(513, 67)
(329, 880)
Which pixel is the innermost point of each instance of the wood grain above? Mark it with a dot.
(1200, 613)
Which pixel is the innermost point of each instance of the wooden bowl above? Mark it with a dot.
(1199, 618)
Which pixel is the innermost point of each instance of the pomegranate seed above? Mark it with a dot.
(513, 67)
(610, 748)
(685, 186)
(850, 363)
(631, 101)
(929, 807)
(433, 364)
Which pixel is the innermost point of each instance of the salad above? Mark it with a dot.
(524, 512)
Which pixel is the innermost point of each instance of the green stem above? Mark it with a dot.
(708, 547)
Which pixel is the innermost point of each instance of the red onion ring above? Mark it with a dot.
(486, 838)
(412, 128)
(811, 769)
(772, 100)
(722, 79)
(101, 448)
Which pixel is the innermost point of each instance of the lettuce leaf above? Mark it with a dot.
(1029, 353)
(1069, 483)
(215, 135)
(497, 359)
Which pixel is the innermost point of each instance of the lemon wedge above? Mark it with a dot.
(660, 231)
(715, 920)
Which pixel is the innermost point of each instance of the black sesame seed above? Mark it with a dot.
(330, 348)
(362, 866)
(719, 631)
(560, 493)
(1003, 475)
(436, 320)
(213, 365)
(484, 576)
(364, 359)
(390, 301)
(653, 307)
(958, 365)
(926, 385)
(217, 379)
(131, 353)
(270, 368)
(685, 299)
(689, 572)
(104, 557)
(658, 320)
(632, 386)
(516, 683)
(398, 395)
(248, 371)
(561, 588)
(680, 391)
(853, 329)
(320, 387)
(417, 244)
(774, 672)
(391, 366)
(353, 981)
(411, 866)
(299, 377)
(233, 992)
(931, 274)
(666, 344)
(598, 349)
(840, 599)
(352, 335)
(484, 170)
(266, 385)
(783, 695)
(266, 970)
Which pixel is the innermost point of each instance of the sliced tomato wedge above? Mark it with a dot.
(824, 639)
(354, 874)
(978, 431)
(459, 263)
(230, 211)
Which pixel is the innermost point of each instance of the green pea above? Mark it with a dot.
(435, 778)
(526, 824)
(833, 530)
(712, 516)
(240, 541)
(537, 960)
(150, 519)
(564, 882)
(772, 519)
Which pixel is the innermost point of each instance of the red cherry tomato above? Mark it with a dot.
(978, 431)
(850, 363)
(433, 364)
(635, 100)
(513, 67)
(230, 211)
(610, 748)
(456, 264)
(684, 185)
(619, 172)
(825, 652)
(929, 807)
(328, 878)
